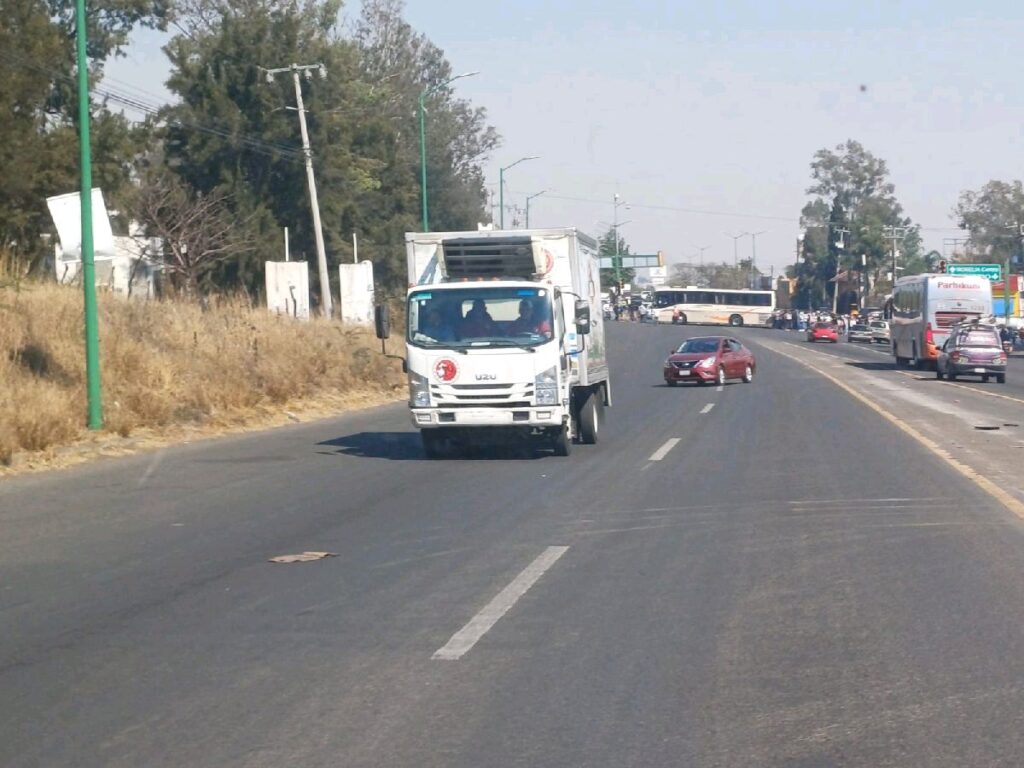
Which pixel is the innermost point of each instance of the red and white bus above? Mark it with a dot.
(924, 308)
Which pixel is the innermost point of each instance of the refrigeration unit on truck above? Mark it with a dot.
(504, 338)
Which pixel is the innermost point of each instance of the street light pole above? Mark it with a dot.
(423, 140)
(92, 334)
(501, 186)
(753, 254)
(528, 199)
(701, 249)
(735, 247)
(616, 261)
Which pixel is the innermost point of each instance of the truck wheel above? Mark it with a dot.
(563, 442)
(590, 420)
(433, 443)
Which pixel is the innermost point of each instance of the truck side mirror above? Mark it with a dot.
(582, 317)
(382, 321)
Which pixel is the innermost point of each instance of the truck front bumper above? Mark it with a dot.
(532, 416)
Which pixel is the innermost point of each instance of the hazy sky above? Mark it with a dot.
(699, 112)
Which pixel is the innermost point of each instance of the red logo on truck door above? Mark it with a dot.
(446, 370)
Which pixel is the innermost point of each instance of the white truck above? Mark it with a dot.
(504, 338)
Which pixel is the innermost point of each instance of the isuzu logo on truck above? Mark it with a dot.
(486, 377)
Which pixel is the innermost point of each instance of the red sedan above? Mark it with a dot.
(709, 360)
(823, 332)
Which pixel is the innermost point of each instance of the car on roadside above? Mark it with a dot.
(880, 332)
(709, 360)
(823, 332)
(859, 332)
(972, 349)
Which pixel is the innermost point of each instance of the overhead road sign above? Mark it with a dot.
(993, 272)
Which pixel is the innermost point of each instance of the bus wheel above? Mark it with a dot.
(735, 321)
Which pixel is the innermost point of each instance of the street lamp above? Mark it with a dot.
(701, 249)
(753, 257)
(501, 186)
(528, 199)
(735, 251)
(423, 139)
(617, 202)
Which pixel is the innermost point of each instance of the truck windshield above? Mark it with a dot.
(480, 316)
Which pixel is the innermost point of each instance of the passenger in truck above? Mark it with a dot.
(527, 321)
(478, 322)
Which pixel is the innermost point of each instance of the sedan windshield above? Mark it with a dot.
(698, 346)
(480, 317)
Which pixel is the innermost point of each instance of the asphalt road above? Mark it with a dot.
(793, 582)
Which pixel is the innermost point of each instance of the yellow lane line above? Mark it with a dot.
(1006, 499)
(964, 386)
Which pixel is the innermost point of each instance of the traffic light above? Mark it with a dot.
(942, 266)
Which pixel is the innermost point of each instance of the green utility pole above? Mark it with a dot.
(423, 140)
(1006, 292)
(528, 199)
(501, 187)
(92, 334)
(423, 159)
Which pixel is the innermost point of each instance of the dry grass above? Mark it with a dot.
(166, 364)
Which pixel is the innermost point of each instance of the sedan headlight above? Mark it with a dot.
(707, 362)
(545, 387)
(419, 391)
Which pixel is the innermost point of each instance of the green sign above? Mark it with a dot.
(993, 272)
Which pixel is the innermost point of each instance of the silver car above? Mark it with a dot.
(880, 332)
(859, 332)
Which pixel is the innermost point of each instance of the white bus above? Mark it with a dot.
(924, 307)
(713, 306)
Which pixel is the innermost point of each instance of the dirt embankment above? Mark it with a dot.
(170, 369)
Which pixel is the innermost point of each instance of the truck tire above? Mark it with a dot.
(562, 443)
(589, 419)
(433, 443)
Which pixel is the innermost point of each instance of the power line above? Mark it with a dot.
(252, 143)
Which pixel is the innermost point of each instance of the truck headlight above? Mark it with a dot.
(545, 387)
(419, 391)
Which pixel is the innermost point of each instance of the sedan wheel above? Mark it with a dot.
(721, 376)
(748, 375)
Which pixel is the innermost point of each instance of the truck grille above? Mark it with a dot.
(504, 395)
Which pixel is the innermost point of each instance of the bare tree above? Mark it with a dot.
(198, 230)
